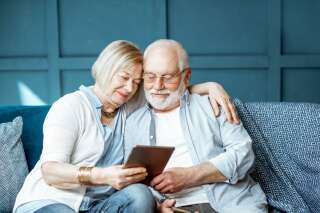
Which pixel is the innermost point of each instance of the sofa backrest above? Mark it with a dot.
(33, 118)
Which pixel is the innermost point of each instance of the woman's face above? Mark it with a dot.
(125, 84)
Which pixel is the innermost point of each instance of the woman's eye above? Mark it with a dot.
(124, 77)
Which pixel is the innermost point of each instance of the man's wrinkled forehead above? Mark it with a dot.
(161, 60)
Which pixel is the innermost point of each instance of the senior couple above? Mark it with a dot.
(89, 133)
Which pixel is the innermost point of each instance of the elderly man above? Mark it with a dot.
(208, 170)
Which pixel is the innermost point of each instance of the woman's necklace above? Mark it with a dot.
(110, 114)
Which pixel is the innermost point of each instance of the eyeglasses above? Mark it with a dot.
(167, 79)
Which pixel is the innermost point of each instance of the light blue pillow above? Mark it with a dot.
(13, 165)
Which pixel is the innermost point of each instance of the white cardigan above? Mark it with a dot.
(72, 134)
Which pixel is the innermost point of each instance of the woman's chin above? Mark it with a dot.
(120, 101)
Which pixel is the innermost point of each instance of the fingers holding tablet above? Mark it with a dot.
(119, 177)
(153, 158)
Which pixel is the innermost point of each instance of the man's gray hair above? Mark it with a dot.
(183, 58)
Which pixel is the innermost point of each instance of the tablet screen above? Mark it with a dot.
(153, 158)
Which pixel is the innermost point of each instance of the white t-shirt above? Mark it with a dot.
(169, 133)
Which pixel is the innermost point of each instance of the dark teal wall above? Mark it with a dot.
(260, 50)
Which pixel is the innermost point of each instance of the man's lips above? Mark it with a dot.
(159, 95)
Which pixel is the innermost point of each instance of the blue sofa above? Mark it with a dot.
(286, 140)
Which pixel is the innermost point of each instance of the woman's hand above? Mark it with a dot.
(117, 176)
(218, 96)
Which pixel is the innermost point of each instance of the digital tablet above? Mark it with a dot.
(153, 158)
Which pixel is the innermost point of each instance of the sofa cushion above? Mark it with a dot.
(32, 136)
(13, 165)
(287, 145)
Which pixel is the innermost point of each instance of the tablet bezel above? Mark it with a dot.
(153, 158)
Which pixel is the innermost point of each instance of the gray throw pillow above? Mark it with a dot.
(13, 165)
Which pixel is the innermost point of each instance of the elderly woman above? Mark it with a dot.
(80, 168)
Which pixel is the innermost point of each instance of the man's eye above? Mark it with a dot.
(150, 76)
(167, 76)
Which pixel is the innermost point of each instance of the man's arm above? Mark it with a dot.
(179, 178)
(238, 157)
(229, 166)
(218, 97)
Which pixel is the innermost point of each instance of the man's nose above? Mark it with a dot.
(158, 84)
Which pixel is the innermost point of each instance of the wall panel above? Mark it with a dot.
(301, 27)
(219, 27)
(266, 50)
(246, 84)
(301, 85)
(87, 28)
(23, 87)
(22, 28)
(72, 79)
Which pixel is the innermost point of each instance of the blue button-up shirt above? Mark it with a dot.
(227, 146)
(113, 153)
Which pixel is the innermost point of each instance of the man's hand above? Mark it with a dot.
(173, 180)
(165, 206)
(176, 179)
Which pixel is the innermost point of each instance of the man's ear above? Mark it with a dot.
(187, 77)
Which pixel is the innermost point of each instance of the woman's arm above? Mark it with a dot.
(218, 96)
(65, 176)
(60, 175)
(61, 130)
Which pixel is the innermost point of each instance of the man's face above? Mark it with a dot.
(163, 83)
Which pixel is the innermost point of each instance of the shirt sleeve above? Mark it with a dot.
(238, 156)
(60, 133)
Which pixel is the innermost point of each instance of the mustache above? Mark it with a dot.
(159, 92)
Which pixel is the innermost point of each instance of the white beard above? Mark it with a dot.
(170, 101)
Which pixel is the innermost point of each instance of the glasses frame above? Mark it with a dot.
(162, 77)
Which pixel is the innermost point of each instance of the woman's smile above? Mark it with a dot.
(122, 94)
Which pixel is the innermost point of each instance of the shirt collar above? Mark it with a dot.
(91, 96)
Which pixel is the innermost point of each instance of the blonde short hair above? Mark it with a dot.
(117, 56)
(183, 59)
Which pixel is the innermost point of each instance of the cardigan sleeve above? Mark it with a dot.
(60, 132)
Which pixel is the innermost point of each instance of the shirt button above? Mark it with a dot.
(151, 137)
